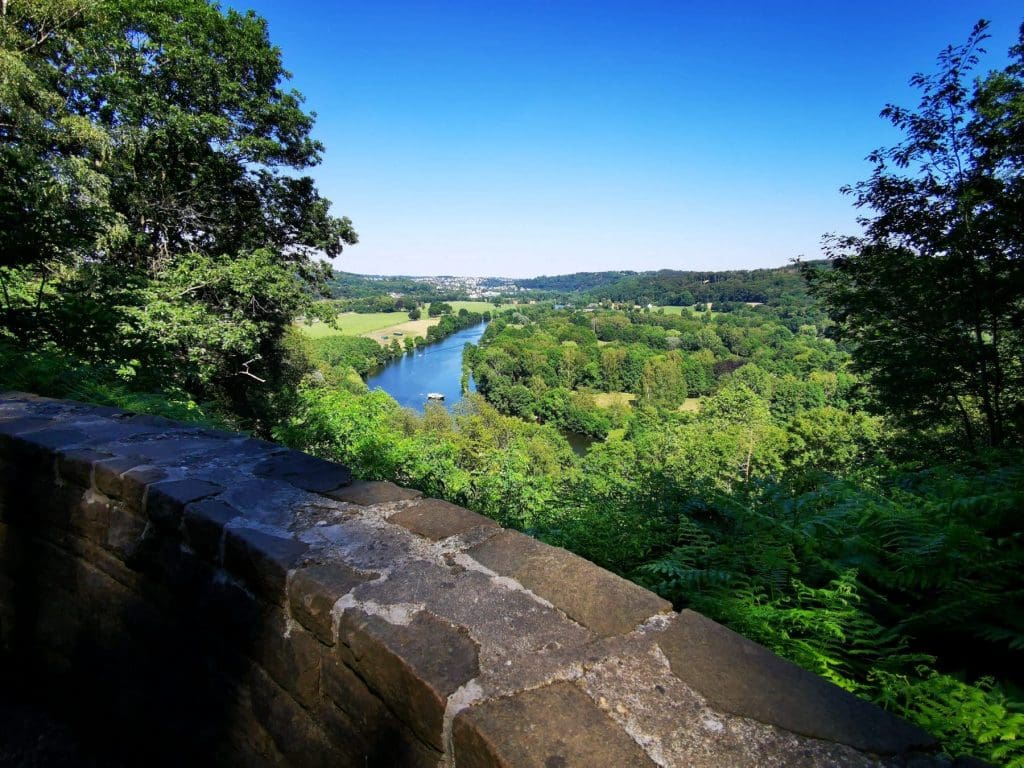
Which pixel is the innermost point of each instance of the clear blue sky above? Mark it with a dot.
(525, 138)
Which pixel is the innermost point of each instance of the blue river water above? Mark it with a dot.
(438, 368)
(434, 368)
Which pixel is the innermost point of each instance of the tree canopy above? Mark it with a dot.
(932, 295)
(153, 215)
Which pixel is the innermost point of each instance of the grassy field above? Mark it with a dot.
(690, 404)
(608, 399)
(410, 328)
(679, 310)
(376, 324)
(472, 306)
(353, 324)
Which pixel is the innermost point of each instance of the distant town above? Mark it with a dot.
(474, 287)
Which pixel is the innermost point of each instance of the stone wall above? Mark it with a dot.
(195, 596)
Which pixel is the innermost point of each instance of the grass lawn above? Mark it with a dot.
(608, 399)
(407, 328)
(354, 324)
(472, 306)
(377, 324)
(690, 404)
(679, 310)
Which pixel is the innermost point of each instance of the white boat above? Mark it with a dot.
(435, 396)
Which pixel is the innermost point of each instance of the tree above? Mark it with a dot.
(415, 314)
(151, 216)
(932, 295)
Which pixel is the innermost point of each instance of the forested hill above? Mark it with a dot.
(577, 282)
(782, 285)
(681, 288)
(347, 285)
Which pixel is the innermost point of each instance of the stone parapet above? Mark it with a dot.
(196, 595)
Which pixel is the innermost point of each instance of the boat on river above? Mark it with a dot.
(435, 396)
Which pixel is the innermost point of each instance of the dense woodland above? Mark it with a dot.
(825, 457)
(676, 288)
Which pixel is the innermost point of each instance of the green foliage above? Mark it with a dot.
(51, 373)
(450, 324)
(150, 216)
(476, 457)
(156, 244)
(932, 297)
(734, 509)
(345, 285)
(968, 719)
(340, 353)
(676, 288)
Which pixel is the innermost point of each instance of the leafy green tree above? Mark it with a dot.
(54, 197)
(663, 382)
(831, 440)
(150, 196)
(932, 296)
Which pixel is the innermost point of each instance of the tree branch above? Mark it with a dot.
(245, 370)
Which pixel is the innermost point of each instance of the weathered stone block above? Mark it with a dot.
(125, 532)
(435, 519)
(233, 614)
(368, 492)
(178, 447)
(313, 591)
(744, 678)
(136, 481)
(16, 424)
(105, 603)
(107, 474)
(414, 668)
(294, 731)
(205, 521)
(290, 655)
(262, 560)
(592, 596)
(171, 565)
(248, 743)
(76, 466)
(303, 471)
(359, 723)
(263, 502)
(343, 689)
(49, 514)
(52, 439)
(96, 555)
(557, 726)
(90, 518)
(166, 500)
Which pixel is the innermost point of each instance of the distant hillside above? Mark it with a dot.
(672, 287)
(782, 285)
(574, 283)
(346, 285)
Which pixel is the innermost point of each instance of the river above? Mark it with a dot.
(433, 368)
(438, 368)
